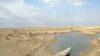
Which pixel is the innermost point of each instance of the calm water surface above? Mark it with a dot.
(77, 41)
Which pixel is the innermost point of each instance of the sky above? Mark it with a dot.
(20, 13)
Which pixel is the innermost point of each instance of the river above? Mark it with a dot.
(77, 41)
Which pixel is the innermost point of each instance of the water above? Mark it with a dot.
(77, 41)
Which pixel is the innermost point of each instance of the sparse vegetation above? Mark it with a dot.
(24, 41)
(9, 34)
(7, 38)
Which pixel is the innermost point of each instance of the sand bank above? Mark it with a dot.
(88, 33)
(95, 51)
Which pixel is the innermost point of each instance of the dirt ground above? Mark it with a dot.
(13, 44)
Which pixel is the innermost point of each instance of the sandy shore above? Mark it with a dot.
(88, 33)
(28, 42)
(95, 51)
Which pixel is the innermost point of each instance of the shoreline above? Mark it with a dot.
(12, 37)
(95, 50)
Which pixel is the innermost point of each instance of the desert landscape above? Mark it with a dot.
(38, 41)
(49, 27)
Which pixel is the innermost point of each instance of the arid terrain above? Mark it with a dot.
(37, 41)
(13, 43)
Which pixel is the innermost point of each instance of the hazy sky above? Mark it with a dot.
(49, 12)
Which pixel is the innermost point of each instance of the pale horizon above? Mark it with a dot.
(30, 13)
